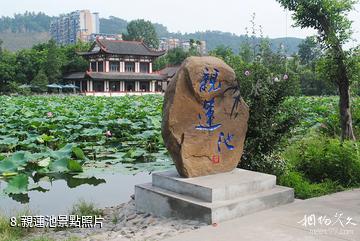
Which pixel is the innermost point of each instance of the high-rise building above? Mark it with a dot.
(78, 25)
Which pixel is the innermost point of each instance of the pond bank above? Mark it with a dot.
(122, 222)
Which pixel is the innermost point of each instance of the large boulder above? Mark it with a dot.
(198, 130)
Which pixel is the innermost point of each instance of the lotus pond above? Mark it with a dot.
(77, 140)
(57, 149)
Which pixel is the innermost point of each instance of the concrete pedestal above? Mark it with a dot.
(210, 199)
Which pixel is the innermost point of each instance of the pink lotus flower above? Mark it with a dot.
(285, 77)
(49, 114)
(247, 73)
(108, 133)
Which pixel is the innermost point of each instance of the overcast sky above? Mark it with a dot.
(184, 16)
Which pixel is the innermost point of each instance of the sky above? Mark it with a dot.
(184, 16)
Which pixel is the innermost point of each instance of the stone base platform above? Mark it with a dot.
(213, 198)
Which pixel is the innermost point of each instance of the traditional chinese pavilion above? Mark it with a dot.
(119, 67)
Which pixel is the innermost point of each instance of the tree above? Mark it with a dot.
(245, 52)
(194, 47)
(144, 31)
(329, 17)
(309, 50)
(354, 64)
(313, 73)
(160, 63)
(7, 69)
(174, 57)
(53, 63)
(1, 42)
(222, 51)
(40, 81)
(29, 62)
(73, 62)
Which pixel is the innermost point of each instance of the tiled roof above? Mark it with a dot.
(123, 48)
(169, 71)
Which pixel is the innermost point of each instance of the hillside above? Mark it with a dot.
(212, 38)
(17, 41)
(25, 30)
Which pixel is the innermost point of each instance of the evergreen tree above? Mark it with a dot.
(245, 52)
(141, 30)
(52, 64)
(309, 50)
(40, 81)
(222, 51)
(176, 56)
(7, 69)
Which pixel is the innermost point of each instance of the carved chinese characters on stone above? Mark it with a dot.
(198, 130)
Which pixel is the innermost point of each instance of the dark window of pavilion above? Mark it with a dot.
(114, 85)
(98, 86)
(145, 86)
(144, 67)
(93, 66)
(130, 85)
(114, 66)
(129, 67)
(101, 66)
(84, 85)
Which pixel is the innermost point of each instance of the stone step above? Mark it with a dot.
(218, 187)
(162, 202)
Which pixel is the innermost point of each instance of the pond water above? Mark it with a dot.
(107, 189)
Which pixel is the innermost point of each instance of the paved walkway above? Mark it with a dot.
(287, 222)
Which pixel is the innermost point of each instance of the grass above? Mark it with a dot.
(8, 233)
(83, 208)
(115, 219)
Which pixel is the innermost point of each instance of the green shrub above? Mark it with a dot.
(318, 165)
(273, 164)
(320, 158)
(305, 189)
(269, 122)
